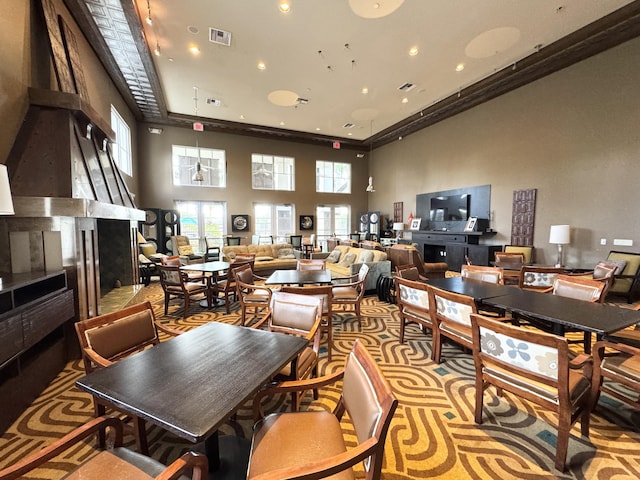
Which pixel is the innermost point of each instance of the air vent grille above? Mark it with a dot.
(220, 37)
(348, 125)
(406, 87)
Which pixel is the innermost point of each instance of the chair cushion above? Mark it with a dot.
(344, 293)
(121, 335)
(296, 439)
(107, 461)
(620, 264)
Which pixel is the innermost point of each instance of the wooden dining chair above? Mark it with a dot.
(485, 274)
(413, 302)
(301, 315)
(176, 284)
(534, 366)
(349, 295)
(116, 462)
(410, 272)
(539, 279)
(312, 444)
(108, 338)
(618, 364)
(311, 264)
(174, 261)
(450, 318)
(254, 298)
(322, 292)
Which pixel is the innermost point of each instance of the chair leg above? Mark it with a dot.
(402, 325)
(436, 346)
(166, 303)
(186, 306)
(479, 399)
(562, 444)
(141, 435)
(329, 336)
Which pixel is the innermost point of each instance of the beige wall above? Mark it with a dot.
(574, 136)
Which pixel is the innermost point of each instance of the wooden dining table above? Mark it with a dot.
(214, 268)
(190, 385)
(562, 313)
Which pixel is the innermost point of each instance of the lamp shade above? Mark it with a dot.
(560, 234)
(6, 203)
(398, 226)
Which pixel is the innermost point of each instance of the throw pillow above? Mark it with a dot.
(230, 255)
(148, 250)
(185, 250)
(620, 264)
(366, 256)
(348, 260)
(286, 253)
(334, 256)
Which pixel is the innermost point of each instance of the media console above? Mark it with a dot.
(453, 247)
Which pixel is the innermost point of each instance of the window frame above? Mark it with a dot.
(279, 176)
(121, 148)
(184, 160)
(329, 171)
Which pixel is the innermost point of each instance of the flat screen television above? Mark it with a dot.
(448, 208)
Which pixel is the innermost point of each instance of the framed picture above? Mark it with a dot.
(415, 224)
(471, 224)
(306, 222)
(239, 223)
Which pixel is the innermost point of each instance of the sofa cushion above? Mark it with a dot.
(347, 260)
(365, 256)
(334, 257)
(286, 253)
(264, 259)
(620, 264)
(148, 249)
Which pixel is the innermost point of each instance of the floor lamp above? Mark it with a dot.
(560, 235)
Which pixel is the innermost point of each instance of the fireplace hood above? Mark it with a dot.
(61, 162)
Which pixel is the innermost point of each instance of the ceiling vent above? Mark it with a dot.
(348, 125)
(214, 101)
(406, 87)
(302, 101)
(219, 36)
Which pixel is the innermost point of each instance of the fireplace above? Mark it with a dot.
(70, 197)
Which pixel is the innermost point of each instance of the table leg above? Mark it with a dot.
(228, 456)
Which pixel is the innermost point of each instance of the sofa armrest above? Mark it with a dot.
(375, 270)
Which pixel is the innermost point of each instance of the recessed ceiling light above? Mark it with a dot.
(317, 129)
(241, 117)
(365, 90)
(282, 124)
(194, 49)
(193, 29)
(413, 51)
(284, 7)
(262, 66)
(460, 67)
(349, 134)
(405, 100)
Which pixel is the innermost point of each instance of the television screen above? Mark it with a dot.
(452, 207)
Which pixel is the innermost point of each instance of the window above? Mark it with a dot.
(333, 177)
(202, 219)
(270, 172)
(332, 220)
(122, 148)
(275, 220)
(213, 166)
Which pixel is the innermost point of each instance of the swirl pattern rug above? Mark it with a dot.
(433, 433)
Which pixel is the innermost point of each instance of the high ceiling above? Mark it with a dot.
(320, 56)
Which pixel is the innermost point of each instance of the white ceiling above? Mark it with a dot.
(323, 51)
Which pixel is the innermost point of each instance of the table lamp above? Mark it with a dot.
(398, 227)
(560, 235)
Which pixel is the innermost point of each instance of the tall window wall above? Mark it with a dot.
(333, 177)
(202, 219)
(274, 219)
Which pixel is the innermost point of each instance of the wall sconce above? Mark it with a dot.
(370, 188)
(6, 203)
(560, 235)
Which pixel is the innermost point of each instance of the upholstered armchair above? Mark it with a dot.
(619, 364)
(182, 246)
(408, 254)
(536, 367)
(176, 284)
(627, 276)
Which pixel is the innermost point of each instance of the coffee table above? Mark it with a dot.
(299, 277)
(191, 384)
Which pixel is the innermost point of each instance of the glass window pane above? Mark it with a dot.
(333, 177)
(187, 161)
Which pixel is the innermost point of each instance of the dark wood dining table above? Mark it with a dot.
(561, 313)
(191, 384)
(214, 268)
(299, 277)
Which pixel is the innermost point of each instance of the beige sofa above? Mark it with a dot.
(346, 260)
(278, 256)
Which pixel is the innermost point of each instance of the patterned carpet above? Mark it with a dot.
(433, 434)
